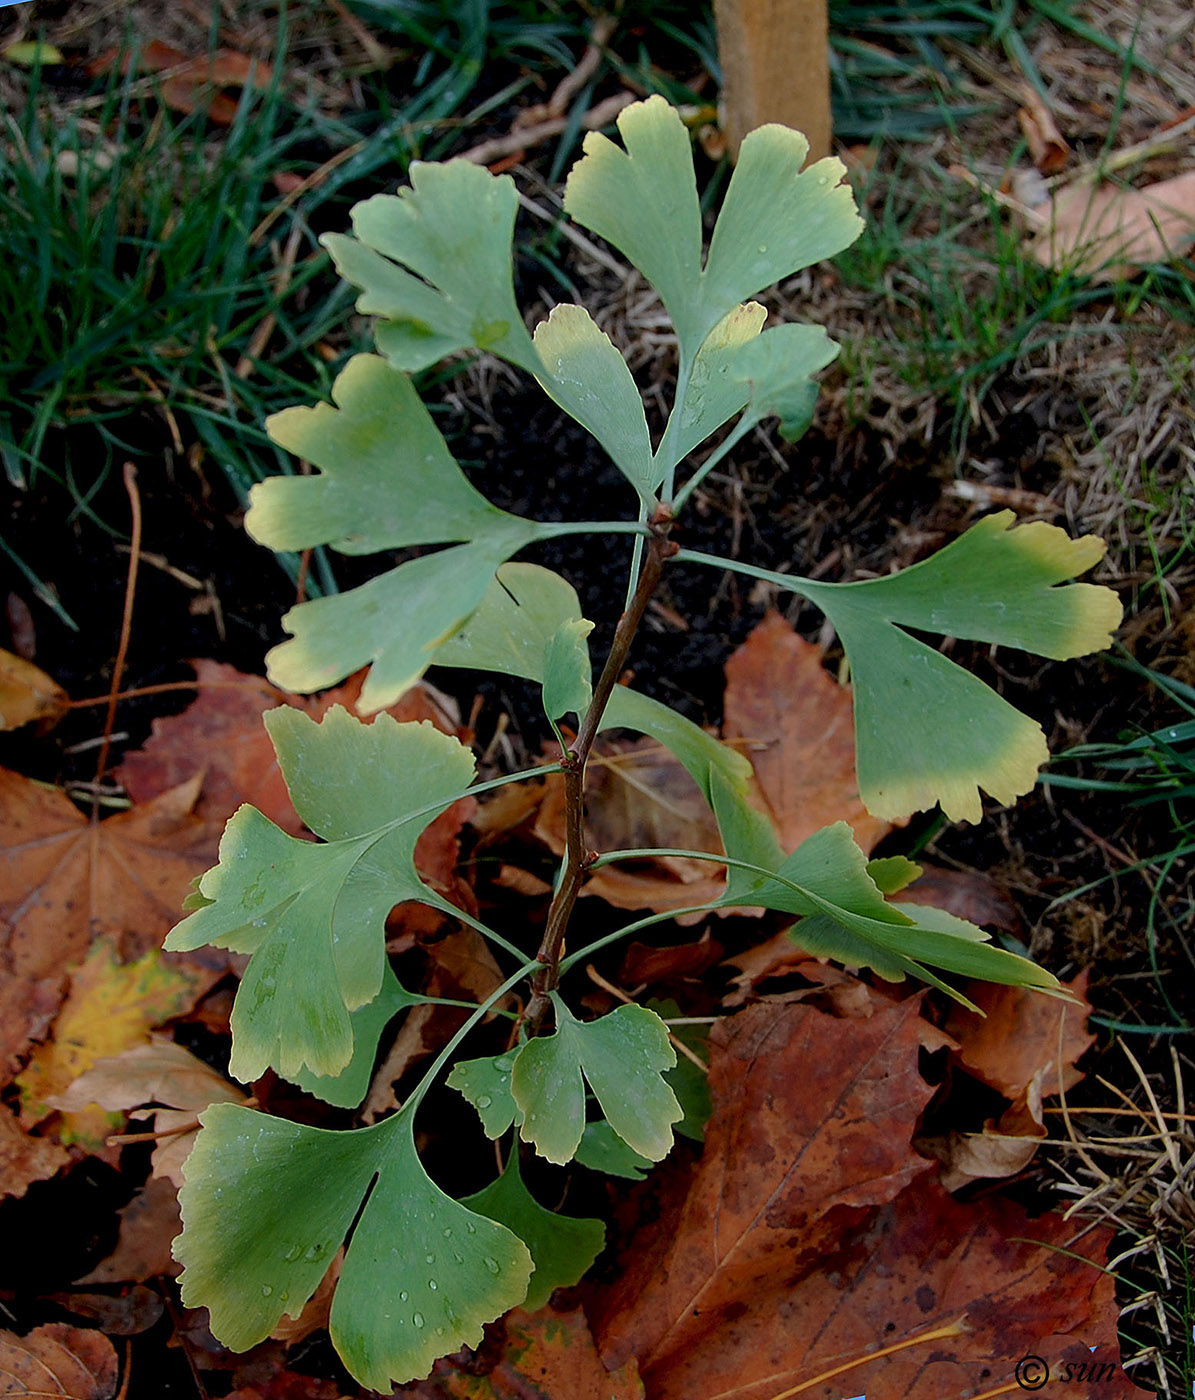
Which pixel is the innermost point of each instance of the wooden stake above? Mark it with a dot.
(775, 68)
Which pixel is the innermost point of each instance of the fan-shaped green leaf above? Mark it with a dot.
(925, 730)
(644, 201)
(712, 395)
(348, 1088)
(622, 1055)
(602, 1150)
(452, 228)
(562, 1246)
(775, 220)
(511, 627)
(567, 688)
(387, 478)
(422, 1276)
(486, 1084)
(396, 622)
(589, 379)
(265, 1206)
(313, 916)
(778, 367)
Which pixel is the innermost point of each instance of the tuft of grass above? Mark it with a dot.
(1149, 770)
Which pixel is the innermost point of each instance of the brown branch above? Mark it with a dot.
(126, 622)
(577, 858)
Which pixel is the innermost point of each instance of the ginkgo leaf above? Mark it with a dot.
(589, 379)
(562, 1246)
(266, 1205)
(387, 480)
(622, 1056)
(776, 218)
(926, 730)
(313, 916)
(778, 368)
(713, 394)
(348, 1088)
(644, 201)
(846, 916)
(452, 228)
(486, 1084)
(602, 1150)
(567, 688)
(386, 477)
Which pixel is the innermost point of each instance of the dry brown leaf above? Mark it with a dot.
(1002, 1149)
(1047, 146)
(188, 83)
(27, 693)
(810, 1235)
(1108, 233)
(65, 880)
(645, 965)
(123, 1314)
(968, 894)
(148, 1225)
(67, 1363)
(110, 1007)
(27, 1008)
(547, 1355)
(1017, 1039)
(158, 1073)
(794, 722)
(25, 1159)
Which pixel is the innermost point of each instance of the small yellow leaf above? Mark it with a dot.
(110, 1007)
(29, 53)
(27, 693)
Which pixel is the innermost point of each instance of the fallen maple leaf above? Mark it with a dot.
(795, 723)
(158, 1073)
(68, 1363)
(110, 1006)
(810, 1249)
(65, 880)
(25, 1159)
(27, 693)
(1108, 233)
(547, 1355)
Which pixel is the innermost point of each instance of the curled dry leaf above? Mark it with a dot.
(1108, 233)
(27, 694)
(158, 1073)
(67, 1363)
(25, 1159)
(810, 1235)
(1047, 146)
(1022, 1037)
